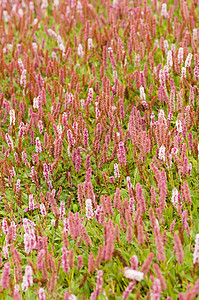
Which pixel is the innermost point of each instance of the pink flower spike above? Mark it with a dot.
(41, 294)
(121, 154)
(156, 289)
(5, 276)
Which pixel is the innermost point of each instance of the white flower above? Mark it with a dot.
(162, 153)
(16, 288)
(164, 10)
(183, 72)
(6, 16)
(162, 77)
(133, 274)
(157, 223)
(169, 59)
(80, 51)
(53, 221)
(56, 3)
(166, 46)
(89, 209)
(35, 21)
(5, 251)
(12, 117)
(116, 171)
(173, 47)
(188, 60)
(38, 145)
(179, 126)
(174, 198)
(142, 93)
(72, 297)
(90, 43)
(42, 295)
(34, 46)
(59, 129)
(180, 55)
(35, 103)
(114, 74)
(52, 33)
(79, 7)
(195, 34)
(196, 251)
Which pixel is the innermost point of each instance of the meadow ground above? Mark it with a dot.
(99, 156)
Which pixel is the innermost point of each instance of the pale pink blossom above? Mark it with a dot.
(89, 209)
(133, 274)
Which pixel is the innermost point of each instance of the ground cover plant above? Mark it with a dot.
(99, 156)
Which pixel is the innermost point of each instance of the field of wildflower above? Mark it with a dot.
(99, 149)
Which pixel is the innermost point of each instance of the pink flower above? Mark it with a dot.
(111, 179)
(85, 137)
(99, 284)
(156, 289)
(121, 154)
(147, 264)
(160, 276)
(174, 150)
(5, 251)
(5, 226)
(62, 209)
(27, 278)
(9, 141)
(91, 263)
(159, 244)
(178, 249)
(41, 294)
(98, 212)
(70, 137)
(109, 241)
(128, 290)
(5, 276)
(80, 262)
(29, 241)
(196, 71)
(140, 197)
(40, 259)
(134, 262)
(40, 125)
(129, 236)
(187, 194)
(65, 261)
(31, 206)
(131, 205)
(16, 295)
(117, 199)
(112, 59)
(21, 130)
(43, 209)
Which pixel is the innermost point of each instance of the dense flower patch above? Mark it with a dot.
(99, 157)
